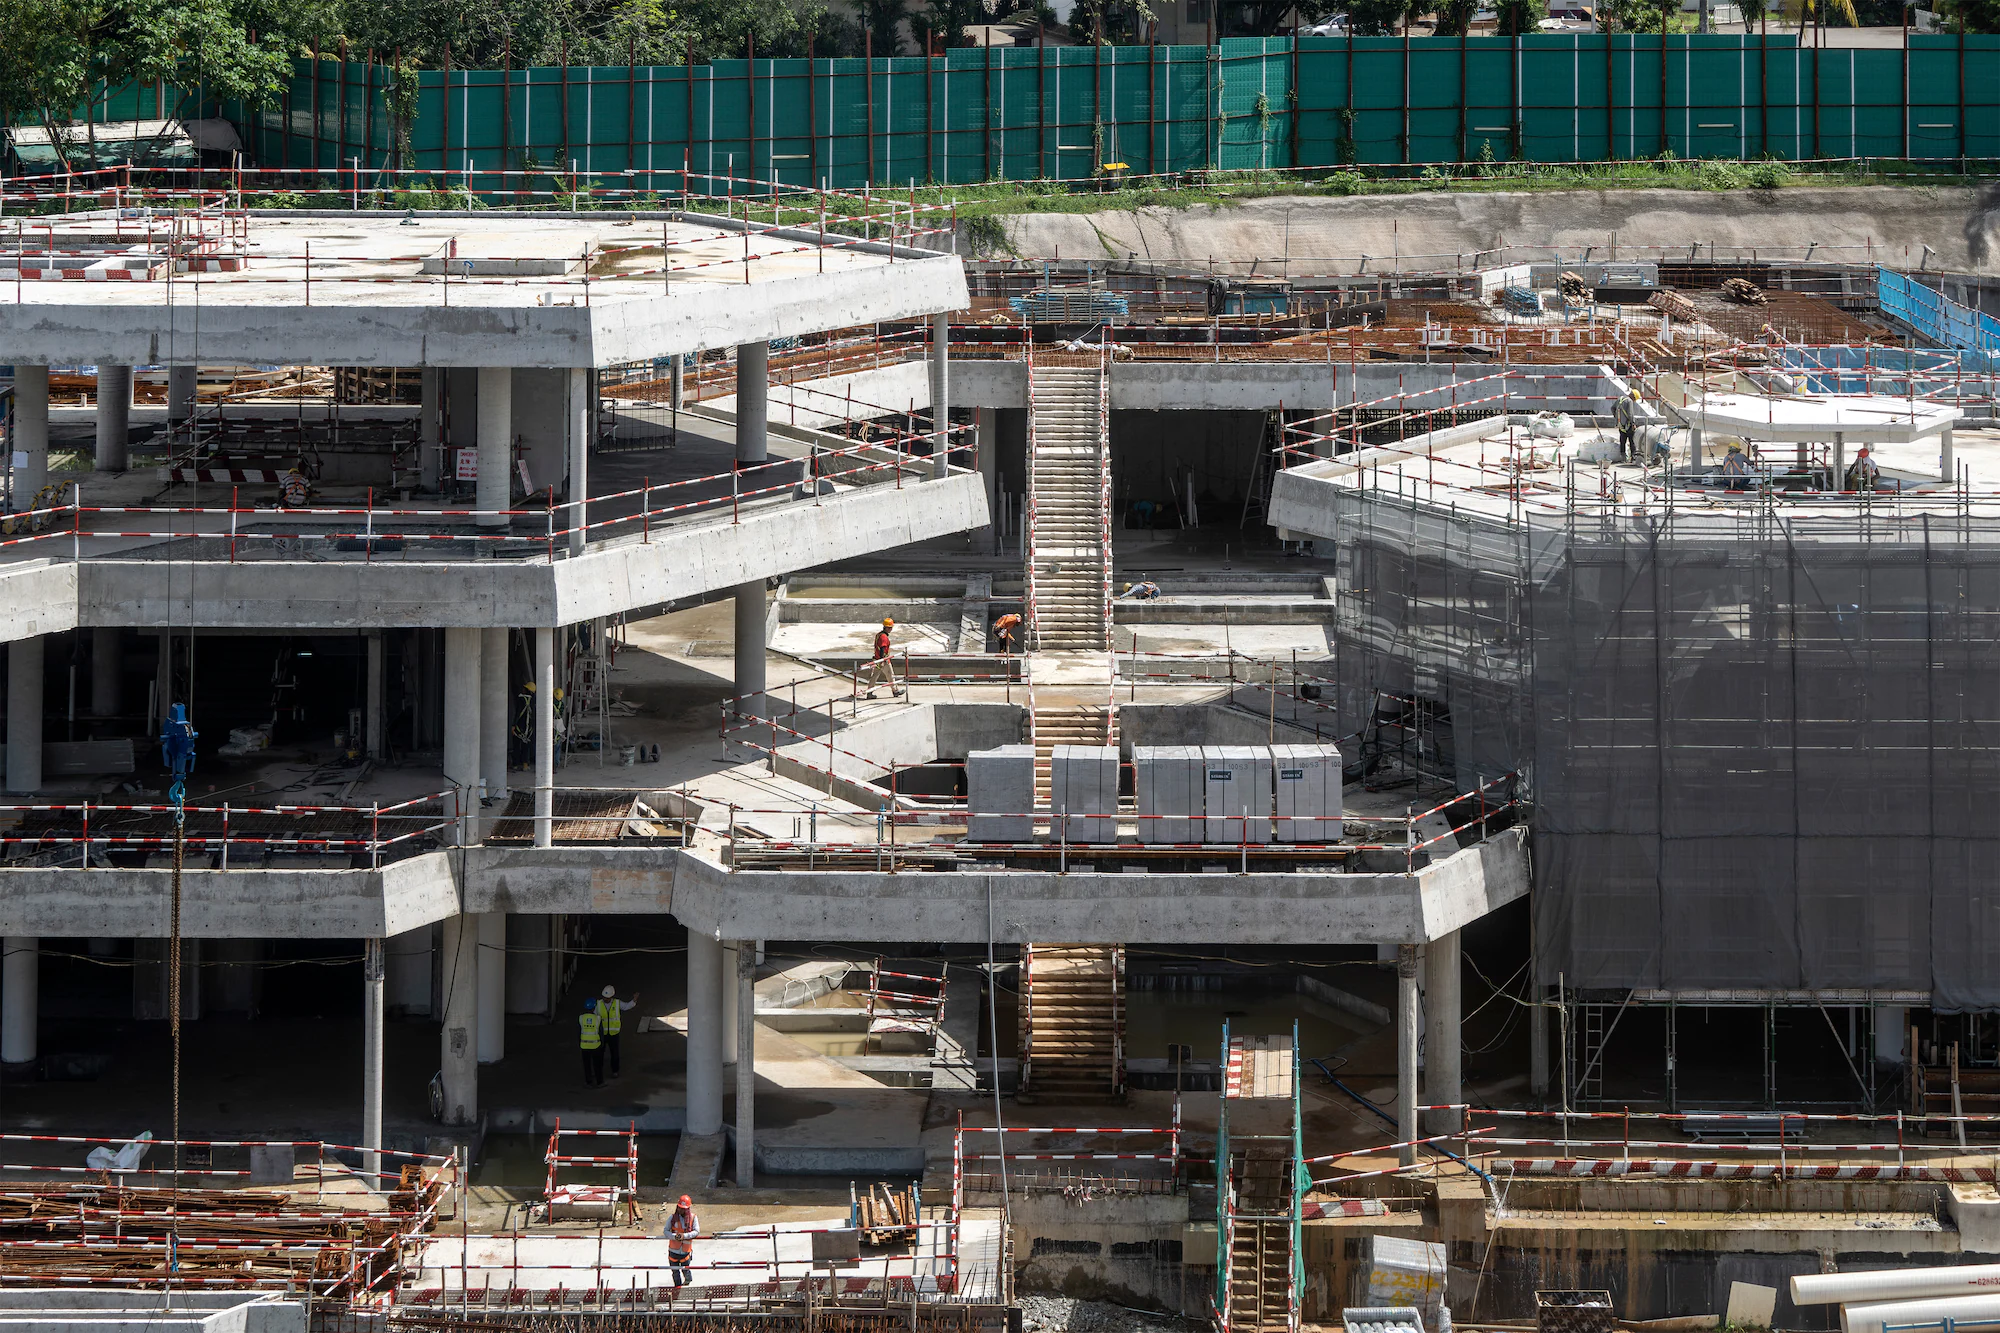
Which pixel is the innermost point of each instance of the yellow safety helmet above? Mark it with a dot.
(888, 622)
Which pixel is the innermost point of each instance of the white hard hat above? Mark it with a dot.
(609, 992)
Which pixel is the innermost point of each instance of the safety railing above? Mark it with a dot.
(1072, 1170)
(113, 1225)
(626, 517)
(375, 831)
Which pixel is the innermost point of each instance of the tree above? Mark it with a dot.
(1376, 18)
(1454, 17)
(1516, 17)
(1972, 15)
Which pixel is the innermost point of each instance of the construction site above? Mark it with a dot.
(1374, 793)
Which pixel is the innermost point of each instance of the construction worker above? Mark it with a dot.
(1862, 473)
(1143, 591)
(880, 667)
(1005, 628)
(1736, 468)
(608, 1007)
(681, 1228)
(1626, 414)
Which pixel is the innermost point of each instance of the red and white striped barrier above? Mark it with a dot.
(1692, 1168)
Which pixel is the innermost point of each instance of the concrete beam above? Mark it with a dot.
(1084, 906)
(678, 561)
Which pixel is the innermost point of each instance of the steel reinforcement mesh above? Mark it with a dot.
(1762, 752)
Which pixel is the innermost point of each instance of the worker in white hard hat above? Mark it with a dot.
(609, 1007)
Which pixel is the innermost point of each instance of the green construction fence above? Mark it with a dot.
(1024, 113)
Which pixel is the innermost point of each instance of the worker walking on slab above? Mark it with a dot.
(1626, 414)
(591, 1040)
(1004, 629)
(608, 1007)
(880, 667)
(681, 1228)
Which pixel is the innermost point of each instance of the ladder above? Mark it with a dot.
(1069, 508)
(1072, 1010)
(1257, 495)
(1260, 1187)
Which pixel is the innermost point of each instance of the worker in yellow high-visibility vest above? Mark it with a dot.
(591, 1039)
(609, 1006)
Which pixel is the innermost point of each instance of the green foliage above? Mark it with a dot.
(1454, 17)
(1517, 17)
(1971, 15)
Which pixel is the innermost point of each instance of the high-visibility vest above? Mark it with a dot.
(680, 1235)
(589, 1021)
(607, 1011)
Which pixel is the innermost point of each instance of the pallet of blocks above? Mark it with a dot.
(884, 1214)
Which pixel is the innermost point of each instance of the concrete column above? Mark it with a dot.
(545, 737)
(674, 394)
(1443, 1048)
(460, 1057)
(1409, 1031)
(24, 715)
(753, 375)
(578, 425)
(106, 673)
(430, 428)
(114, 417)
(729, 998)
(746, 1062)
(493, 649)
(373, 723)
(492, 930)
(750, 621)
(461, 727)
(940, 368)
(1947, 461)
(182, 384)
(408, 963)
(31, 432)
(496, 445)
(1839, 462)
(20, 977)
(704, 1040)
(987, 448)
(373, 972)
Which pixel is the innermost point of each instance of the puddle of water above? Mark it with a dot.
(517, 1160)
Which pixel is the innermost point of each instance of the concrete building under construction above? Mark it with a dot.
(1033, 768)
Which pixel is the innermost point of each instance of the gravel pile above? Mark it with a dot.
(1060, 1314)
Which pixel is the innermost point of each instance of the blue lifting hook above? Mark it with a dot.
(177, 739)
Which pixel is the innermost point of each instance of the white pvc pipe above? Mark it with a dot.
(1962, 1310)
(1893, 1284)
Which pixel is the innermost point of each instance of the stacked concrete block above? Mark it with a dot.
(1237, 793)
(1168, 782)
(1083, 792)
(1000, 792)
(1308, 792)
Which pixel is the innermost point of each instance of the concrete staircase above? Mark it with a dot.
(1069, 545)
(1073, 1023)
(1260, 1250)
